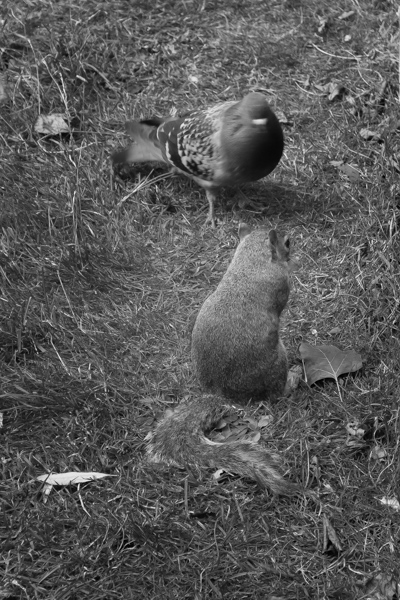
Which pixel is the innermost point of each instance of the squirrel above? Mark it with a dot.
(238, 356)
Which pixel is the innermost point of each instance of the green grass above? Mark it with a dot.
(100, 285)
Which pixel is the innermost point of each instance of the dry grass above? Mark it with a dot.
(99, 286)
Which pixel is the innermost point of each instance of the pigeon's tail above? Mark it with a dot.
(145, 147)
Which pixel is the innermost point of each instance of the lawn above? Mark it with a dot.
(102, 274)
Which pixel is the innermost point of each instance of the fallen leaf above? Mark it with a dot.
(293, 379)
(327, 362)
(315, 468)
(331, 540)
(332, 89)
(53, 124)
(217, 474)
(72, 477)
(350, 171)
(378, 453)
(369, 135)
(253, 436)
(391, 502)
(336, 91)
(334, 331)
(322, 25)
(353, 428)
(382, 587)
(282, 118)
(346, 15)
(265, 421)
(253, 423)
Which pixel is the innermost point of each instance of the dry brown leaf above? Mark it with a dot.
(350, 171)
(330, 536)
(369, 135)
(382, 587)
(51, 124)
(328, 362)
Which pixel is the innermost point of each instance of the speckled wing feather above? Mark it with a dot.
(191, 143)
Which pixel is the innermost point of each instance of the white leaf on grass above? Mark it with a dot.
(53, 124)
(354, 429)
(322, 25)
(218, 473)
(392, 502)
(369, 135)
(346, 15)
(378, 453)
(70, 478)
(336, 91)
(282, 118)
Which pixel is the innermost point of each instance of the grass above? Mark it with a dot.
(101, 283)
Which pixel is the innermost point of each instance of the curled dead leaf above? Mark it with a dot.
(391, 502)
(53, 124)
(331, 540)
(369, 135)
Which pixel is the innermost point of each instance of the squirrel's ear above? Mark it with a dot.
(286, 242)
(273, 237)
(273, 243)
(244, 230)
(279, 246)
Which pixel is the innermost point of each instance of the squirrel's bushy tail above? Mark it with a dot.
(179, 439)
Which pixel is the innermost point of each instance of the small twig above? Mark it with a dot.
(141, 185)
(336, 55)
(81, 501)
(240, 517)
(186, 495)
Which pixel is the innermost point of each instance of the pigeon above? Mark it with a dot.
(228, 144)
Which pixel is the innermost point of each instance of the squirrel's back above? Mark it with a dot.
(236, 348)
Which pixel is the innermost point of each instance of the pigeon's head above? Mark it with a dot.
(256, 108)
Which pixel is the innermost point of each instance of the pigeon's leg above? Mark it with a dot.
(211, 196)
